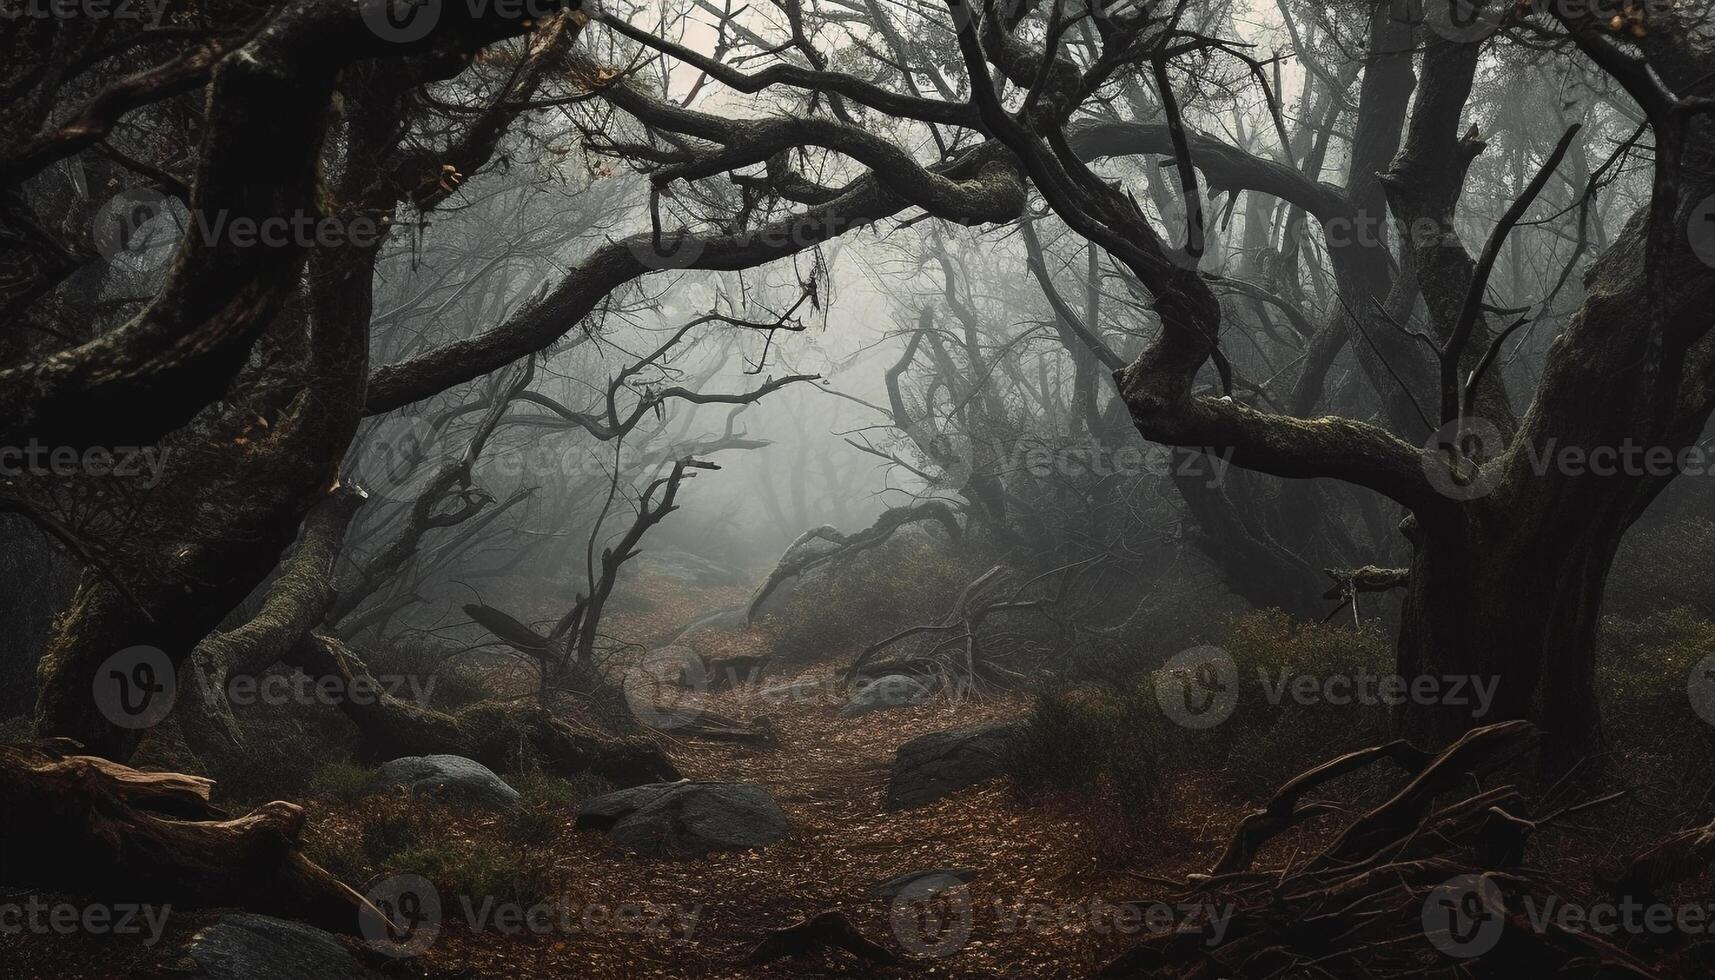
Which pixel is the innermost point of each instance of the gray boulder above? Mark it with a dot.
(241, 946)
(686, 818)
(931, 766)
(452, 777)
(892, 691)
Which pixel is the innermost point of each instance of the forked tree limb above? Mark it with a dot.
(1286, 808)
(1408, 807)
(827, 930)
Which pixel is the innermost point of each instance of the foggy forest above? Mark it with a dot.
(857, 488)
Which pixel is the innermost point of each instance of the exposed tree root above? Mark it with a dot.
(1415, 886)
(827, 930)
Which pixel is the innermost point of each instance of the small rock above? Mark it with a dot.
(931, 766)
(892, 691)
(449, 776)
(241, 946)
(921, 884)
(686, 818)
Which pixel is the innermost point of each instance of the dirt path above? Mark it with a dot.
(1039, 902)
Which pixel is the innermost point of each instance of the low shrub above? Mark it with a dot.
(1113, 741)
(445, 682)
(1644, 682)
(342, 780)
(1105, 745)
(547, 804)
(1271, 736)
(286, 746)
(1661, 567)
(478, 869)
(394, 834)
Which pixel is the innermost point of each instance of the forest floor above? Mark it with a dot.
(1047, 879)
(1043, 880)
(1043, 883)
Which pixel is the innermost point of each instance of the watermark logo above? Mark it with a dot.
(1198, 688)
(409, 21)
(1459, 459)
(401, 21)
(1453, 455)
(1094, 459)
(1700, 687)
(139, 229)
(1392, 690)
(400, 457)
(1464, 916)
(932, 916)
(664, 689)
(1700, 231)
(1461, 21)
(666, 251)
(136, 687)
(676, 923)
(954, 454)
(410, 915)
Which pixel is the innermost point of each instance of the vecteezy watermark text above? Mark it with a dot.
(300, 688)
(150, 12)
(1465, 916)
(138, 686)
(936, 915)
(142, 228)
(1200, 688)
(1460, 458)
(43, 918)
(126, 462)
(413, 913)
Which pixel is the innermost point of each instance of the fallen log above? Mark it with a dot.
(99, 829)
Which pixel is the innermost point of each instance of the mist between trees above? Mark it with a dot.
(858, 471)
